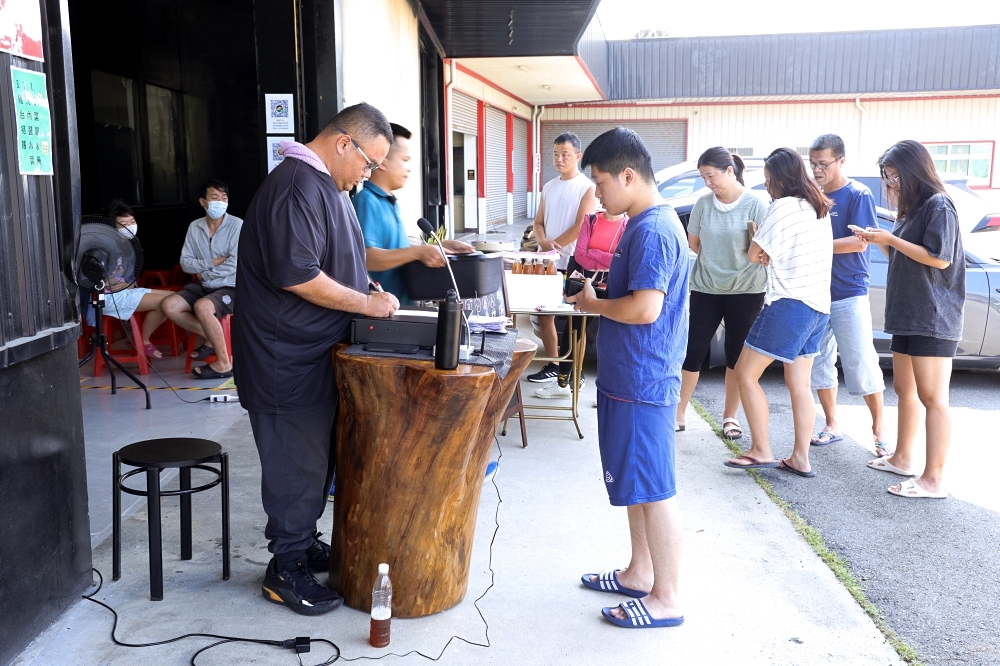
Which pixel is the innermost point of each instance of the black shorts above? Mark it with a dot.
(923, 345)
(739, 311)
(223, 298)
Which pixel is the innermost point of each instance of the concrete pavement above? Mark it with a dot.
(754, 591)
(931, 566)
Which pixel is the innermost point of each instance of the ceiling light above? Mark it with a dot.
(547, 87)
(523, 68)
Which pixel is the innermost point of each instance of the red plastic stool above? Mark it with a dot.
(226, 322)
(157, 278)
(123, 355)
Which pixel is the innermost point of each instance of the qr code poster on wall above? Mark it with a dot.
(280, 113)
(274, 157)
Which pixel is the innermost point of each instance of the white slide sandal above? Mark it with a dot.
(883, 465)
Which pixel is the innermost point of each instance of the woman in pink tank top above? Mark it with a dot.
(599, 236)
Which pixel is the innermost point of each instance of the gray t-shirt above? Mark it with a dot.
(919, 299)
(722, 266)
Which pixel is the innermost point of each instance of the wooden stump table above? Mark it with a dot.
(413, 443)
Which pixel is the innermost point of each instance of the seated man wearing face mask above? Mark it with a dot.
(209, 254)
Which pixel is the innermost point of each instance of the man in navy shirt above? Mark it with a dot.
(300, 278)
(850, 327)
(387, 245)
(640, 350)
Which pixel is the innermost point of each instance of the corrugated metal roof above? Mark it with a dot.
(593, 50)
(859, 63)
(481, 29)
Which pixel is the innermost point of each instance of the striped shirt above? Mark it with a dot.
(801, 251)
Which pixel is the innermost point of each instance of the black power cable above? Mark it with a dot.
(301, 644)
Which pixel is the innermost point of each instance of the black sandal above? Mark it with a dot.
(201, 353)
(208, 372)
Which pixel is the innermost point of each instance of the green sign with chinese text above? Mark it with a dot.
(31, 115)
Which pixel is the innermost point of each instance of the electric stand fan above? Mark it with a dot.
(108, 261)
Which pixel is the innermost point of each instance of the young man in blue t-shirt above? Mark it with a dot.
(387, 247)
(850, 326)
(639, 355)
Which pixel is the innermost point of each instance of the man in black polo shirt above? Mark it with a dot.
(300, 277)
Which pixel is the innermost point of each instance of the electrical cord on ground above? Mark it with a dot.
(287, 644)
(149, 361)
(302, 644)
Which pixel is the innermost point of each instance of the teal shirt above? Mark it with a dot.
(382, 227)
(722, 266)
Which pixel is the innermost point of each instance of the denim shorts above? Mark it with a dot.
(787, 329)
(850, 332)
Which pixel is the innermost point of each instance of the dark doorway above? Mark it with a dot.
(166, 95)
(432, 130)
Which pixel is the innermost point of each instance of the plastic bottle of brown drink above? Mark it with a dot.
(540, 268)
(516, 268)
(551, 268)
(381, 608)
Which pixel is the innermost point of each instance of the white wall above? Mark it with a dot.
(474, 87)
(767, 126)
(381, 65)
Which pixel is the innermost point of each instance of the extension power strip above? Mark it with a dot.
(224, 398)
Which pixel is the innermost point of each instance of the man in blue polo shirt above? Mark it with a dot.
(643, 341)
(387, 245)
(850, 326)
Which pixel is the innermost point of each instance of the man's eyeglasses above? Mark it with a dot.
(821, 166)
(369, 165)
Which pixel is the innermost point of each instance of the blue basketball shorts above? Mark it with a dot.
(637, 450)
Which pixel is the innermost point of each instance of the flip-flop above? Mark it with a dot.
(639, 617)
(825, 438)
(883, 465)
(201, 353)
(909, 488)
(882, 450)
(783, 464)
(208, 372)
(754, 463)
(680, 428)
(607, 581)
(150, 351)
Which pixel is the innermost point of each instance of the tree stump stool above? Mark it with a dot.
(413, 443)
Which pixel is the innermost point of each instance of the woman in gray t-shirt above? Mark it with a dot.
(924, 299)
(725, 285)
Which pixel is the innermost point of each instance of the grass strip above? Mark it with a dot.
(837, 564)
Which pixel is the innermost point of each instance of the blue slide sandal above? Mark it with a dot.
(607, 581)
(639, 617)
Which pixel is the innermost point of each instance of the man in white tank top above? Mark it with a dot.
(566, 201)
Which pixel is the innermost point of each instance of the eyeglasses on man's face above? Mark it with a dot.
(822, 166)
(369, 165)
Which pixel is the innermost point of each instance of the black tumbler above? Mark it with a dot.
(449, 330)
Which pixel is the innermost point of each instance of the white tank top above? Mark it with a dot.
(562, 203)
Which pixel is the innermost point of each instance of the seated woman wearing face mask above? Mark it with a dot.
(123, 304)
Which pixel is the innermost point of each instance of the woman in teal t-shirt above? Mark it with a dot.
(725, 285)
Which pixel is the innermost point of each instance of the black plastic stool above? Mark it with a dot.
(152, 457)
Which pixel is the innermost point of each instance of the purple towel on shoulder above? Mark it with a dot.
(297, 151)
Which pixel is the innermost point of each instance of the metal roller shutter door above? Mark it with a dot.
(666, 140)
(496, 167)
(463, 114)
(520, 162)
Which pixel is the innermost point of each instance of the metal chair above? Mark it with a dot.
(152, 457)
